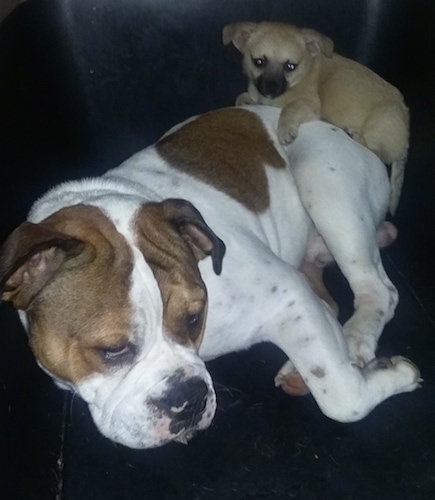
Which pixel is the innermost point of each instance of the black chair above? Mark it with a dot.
(83, 85)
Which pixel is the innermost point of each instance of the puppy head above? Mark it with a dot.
(118, 318)
(276, 56)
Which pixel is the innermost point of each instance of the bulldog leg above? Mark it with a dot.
(314, 274)
(346, 194)
(354, 248)
(307, 331)
(317, 257)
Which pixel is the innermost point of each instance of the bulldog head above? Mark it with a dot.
(118, 318)
(276, 56)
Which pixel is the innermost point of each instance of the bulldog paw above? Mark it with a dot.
(361, 348)
(244, 99)
(290, 381)
(406, 373)
(409, 371)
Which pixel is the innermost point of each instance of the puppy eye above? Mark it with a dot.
(289, 66)
(259, 62)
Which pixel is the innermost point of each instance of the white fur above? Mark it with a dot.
(332, 186)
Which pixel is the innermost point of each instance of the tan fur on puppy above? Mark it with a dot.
(297, 70)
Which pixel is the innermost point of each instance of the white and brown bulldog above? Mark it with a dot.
(125, 286)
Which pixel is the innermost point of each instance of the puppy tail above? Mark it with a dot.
(396, 180)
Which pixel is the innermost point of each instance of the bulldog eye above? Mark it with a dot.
(259, 62)
(115, 353)
(192, 320)
(289, 66)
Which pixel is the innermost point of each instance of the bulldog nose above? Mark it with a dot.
(184, 402)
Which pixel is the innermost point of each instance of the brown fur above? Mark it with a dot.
(218, 161)
(175, 268)
(323, 85)
(71, 273)
(77, 298)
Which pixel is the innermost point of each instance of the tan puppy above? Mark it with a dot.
(297, 70)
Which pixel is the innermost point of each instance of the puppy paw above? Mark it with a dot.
(244, 99)
(290, 381)
(287, 133)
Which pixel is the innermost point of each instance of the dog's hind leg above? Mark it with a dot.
(345, 190)
(352, 242)
(318, 256)
(307, 331)
(314, 274)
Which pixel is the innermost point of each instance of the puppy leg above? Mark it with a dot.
(299, 111)
(306, 330)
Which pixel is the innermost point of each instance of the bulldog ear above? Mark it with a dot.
(238, 33)
(317, 43)
(194, 230)
(30, 256)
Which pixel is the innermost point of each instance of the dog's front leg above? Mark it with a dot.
(298, 111)
(244, 99)
(306, 330)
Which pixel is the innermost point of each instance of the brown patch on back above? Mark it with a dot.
(84, 307)
(176, 271)
(228, 149)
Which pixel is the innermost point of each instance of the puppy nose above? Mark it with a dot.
(184, 402)
(271, 87)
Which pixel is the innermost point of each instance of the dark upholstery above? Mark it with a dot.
(85, 83)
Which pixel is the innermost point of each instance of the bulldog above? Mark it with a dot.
(126, 287)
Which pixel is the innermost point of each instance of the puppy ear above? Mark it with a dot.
(29, 258)
(194, 230)
(318, 43)
(238, 33)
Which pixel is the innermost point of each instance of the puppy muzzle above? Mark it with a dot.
(271, 86)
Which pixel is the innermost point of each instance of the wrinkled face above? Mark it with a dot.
(118, 318)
